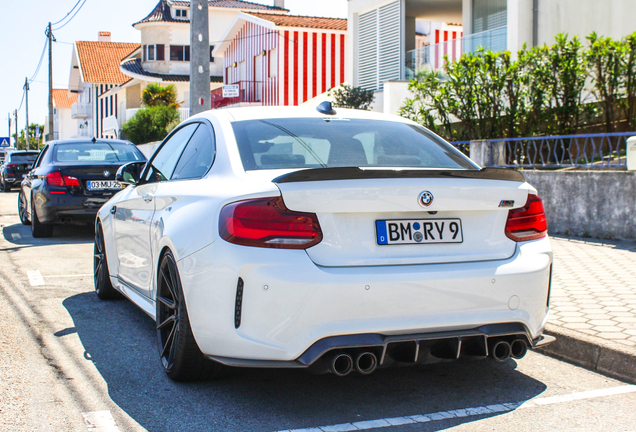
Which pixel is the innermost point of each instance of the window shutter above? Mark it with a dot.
(161, 52)
(368, 50)
(379, 45)
(143, 52)
(389, 46)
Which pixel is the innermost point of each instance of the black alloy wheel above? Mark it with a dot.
(22, 209)
(103, 286)
(38, 229)
(180, 355)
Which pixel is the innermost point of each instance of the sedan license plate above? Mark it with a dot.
(419, 231)
(99, 185)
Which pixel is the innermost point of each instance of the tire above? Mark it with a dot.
(101, 276)
(179, 353)
(38, 229)
(22, 209)
(6, 187)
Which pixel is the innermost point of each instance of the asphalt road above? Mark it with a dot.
(70, 362)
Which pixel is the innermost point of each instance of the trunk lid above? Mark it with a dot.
(87, 173)
(349, 203)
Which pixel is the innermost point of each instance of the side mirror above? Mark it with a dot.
(130, 173)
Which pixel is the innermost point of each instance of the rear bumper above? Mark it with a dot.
(57, 208)
(289, 304)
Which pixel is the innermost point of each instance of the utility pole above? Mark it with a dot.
(200, 97)
(9, 118)
(51, 39)
(26, 130)
(15, 113)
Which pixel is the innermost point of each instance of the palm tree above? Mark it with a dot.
(155, 94)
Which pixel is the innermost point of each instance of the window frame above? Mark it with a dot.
(200, 122)
(185, 49)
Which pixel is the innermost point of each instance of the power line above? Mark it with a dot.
(37, 70)
(69, 12)
(71, 18)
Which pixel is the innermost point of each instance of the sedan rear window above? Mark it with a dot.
(91, 153)
(337, 142)
(22, 158)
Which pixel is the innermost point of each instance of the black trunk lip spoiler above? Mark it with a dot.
(356, 173)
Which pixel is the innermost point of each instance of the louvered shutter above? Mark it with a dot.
(389, 46)
(368, 50)
(379, 45)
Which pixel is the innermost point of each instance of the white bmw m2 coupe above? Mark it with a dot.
(330, 239)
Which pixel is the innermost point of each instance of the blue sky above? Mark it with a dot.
(22, 36)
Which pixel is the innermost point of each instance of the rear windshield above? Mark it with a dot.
(323, 143)
(22, 158)
(91, 153)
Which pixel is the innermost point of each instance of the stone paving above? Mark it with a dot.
(594, 288)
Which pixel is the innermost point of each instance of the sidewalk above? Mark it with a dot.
(593, 305)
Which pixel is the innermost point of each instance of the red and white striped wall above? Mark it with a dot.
(447, 43)
(309, 61)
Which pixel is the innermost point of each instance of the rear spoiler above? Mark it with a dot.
(356, 173)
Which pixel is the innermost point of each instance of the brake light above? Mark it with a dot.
(528, 222)
(266, 222)
(13, 165)
(56, 179)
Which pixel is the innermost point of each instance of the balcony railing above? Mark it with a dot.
(432, 57)
(249, 92)
(79, 110)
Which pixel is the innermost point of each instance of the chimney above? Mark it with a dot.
(103, 36)
(279, 4)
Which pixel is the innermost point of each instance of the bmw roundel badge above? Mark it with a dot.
(106, 173)
(425, 198)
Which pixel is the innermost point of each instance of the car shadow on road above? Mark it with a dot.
(121, 342)
(20, 235)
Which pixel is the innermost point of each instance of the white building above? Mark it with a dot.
(94, 71)
(63, 124)
(383, 33)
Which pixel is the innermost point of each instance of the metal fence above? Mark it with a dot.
(462, 146)
(605, 151)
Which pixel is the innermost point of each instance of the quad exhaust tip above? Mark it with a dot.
(518, 348)
(366, 363)
(500, 351)
(342, 364)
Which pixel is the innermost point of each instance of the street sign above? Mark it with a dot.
(231, 91)
(5, 142)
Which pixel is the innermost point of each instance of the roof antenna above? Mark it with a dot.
(326, 108)
(94, 140)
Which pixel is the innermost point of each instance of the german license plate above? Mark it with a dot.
(419, 231)
(96, 185)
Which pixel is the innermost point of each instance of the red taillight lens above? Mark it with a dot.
(56, 179)
(528, 222)
(266, 222)
(12, 165)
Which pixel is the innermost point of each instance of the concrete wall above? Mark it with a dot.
(614, 18)
(600, 204)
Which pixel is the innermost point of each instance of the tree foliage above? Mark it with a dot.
(352, 97)
(155, 94)
(547, 90)
(35, 142)
(151, 124)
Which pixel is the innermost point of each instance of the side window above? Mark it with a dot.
(164, 162)
(40, 158)
(197, 157)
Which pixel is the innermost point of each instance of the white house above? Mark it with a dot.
(63, 124)
(383, 33)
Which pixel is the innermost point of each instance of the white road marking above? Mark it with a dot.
(16, 236)
(100, 421)
(35, 277)
(73, 275)
(468, 412)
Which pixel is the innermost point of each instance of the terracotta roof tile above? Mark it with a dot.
(303, 21)
(161, 12)
(100, 60)
(62, 99)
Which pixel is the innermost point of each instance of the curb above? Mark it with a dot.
(599, 355)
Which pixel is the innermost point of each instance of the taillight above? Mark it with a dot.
(528, 222)
(12, 165)
(56, 179)
(266, 222)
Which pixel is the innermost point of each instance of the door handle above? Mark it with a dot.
(147, 197)
(113, 210)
